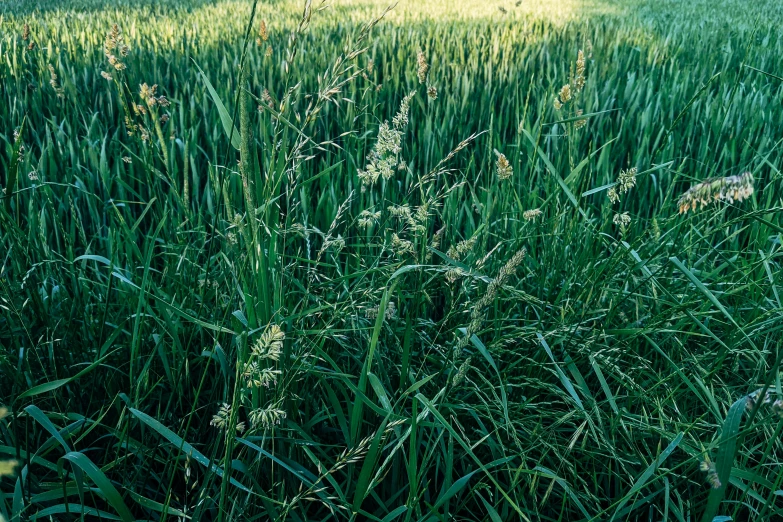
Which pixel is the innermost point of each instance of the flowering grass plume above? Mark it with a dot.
(401, 247)
(563, 96)
(257, 377)
(263, 33)
(575, 86)
(423, 67)
(579, 78)
(384, 157)
(266, 418)
(149, 95)
(267, 99)
(712, 474)
(477, 313)
(569, 92)
(625, 182)
(222, 419)
(114, 45)
(503, 167)
(462, 372)
(622, 220)
(270, 344)
(368, 218)
(730, 189)
(532, 214)
(54, 82)
(458, 251)
(26, 37)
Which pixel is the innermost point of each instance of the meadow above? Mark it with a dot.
(344, 260)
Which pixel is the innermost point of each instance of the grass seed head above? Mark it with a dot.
(453, 275)
(626, 180)
(266, 418)
(400, 246)
(256, 377)
(389, 139)
(115, 44)
(221, 418)
(532, 214)
(270, 344)
(263, 34)
(622, 220)
(267, 99)
(462, 372)
(565, 94)
(53, 81)
(7, 467)
(458, 251)
(579, 78)
(423, 67)
(503, 167)
(400, 120)
(368, 218)
(729, 189)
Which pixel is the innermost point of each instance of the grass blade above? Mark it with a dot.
(724, 461)
(648, 473)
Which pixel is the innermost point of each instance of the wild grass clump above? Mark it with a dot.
(301, 261)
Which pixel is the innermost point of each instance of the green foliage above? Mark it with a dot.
(308, 272)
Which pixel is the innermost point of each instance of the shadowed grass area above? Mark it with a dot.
(371, 265)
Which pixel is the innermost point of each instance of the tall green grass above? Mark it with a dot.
(421, 349)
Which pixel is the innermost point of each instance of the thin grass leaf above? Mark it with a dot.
(108, 490)
(642, 480)
(724, 460)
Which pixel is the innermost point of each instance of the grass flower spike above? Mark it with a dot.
(729, 189)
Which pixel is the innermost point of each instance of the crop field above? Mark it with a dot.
(450, 260)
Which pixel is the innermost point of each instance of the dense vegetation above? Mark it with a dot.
(470, 261)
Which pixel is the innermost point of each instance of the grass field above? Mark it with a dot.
(468, 261)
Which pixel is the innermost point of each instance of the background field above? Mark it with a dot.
(414, 349)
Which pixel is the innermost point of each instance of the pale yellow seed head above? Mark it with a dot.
(565, 94)
(423, 67)
(532, 214)
(504, 169)
(7, 467)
